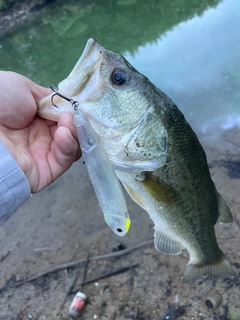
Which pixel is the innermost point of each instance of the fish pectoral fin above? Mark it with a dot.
(165, 244)
(224, 212)
(218, 269)
(158, 189)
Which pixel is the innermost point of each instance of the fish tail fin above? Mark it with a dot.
(218, 269)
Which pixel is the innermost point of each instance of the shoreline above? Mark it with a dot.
(18, 12)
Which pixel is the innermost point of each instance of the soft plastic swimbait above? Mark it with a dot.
(104, 180)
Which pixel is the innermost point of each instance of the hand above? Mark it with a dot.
(43, 149)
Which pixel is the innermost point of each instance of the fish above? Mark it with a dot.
(155, 153)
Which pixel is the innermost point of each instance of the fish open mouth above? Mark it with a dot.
(88, 58)
(75, 85)
(86, 65)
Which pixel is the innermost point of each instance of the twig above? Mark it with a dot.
(230, 142)
(84, 275)
(225, 313)
(74, 281)
(4, 256)
(109, 274)
(74, 264)
(135, 313)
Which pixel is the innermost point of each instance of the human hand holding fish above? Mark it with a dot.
(154, 153)
(43, 149)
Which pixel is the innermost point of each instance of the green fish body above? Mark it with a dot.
(155, 153)
(182, 201)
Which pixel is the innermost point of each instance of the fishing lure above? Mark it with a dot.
(103, 177)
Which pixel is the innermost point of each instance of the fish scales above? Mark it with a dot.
(182, 157)
(155, 153)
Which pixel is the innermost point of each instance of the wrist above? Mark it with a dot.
(15, 189)
(17, 154)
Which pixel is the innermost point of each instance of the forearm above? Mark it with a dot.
(14, 187)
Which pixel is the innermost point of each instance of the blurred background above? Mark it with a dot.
(189, 49)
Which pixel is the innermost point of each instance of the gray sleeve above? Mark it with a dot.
(14, 187)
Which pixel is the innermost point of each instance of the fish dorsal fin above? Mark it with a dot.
(165, 244)
(224, 212)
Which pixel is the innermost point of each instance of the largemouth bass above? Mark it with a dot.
(155, 154)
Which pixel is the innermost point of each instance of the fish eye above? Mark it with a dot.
(119, 230)
(119, 77)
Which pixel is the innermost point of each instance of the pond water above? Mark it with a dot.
(190, 51)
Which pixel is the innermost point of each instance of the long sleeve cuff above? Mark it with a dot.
(14, 187)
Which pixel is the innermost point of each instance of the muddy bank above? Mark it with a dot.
(64, 223)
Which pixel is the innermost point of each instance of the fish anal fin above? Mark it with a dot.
(165, 244)
(224, 212)
(217, 270)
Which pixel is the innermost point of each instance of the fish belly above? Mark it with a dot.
(166, 238)
(172, 235)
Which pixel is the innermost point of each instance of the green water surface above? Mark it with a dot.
(188, 48)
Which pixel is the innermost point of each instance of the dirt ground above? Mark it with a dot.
(64, 223)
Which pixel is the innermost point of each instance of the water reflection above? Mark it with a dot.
(191, 52)
(198, 65)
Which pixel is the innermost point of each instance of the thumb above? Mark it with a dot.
(64, 151)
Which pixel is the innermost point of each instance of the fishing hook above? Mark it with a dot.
(74, 103)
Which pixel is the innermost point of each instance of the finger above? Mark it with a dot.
(19, 96)
(37, 91)
(66, 119)
(64, 151)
